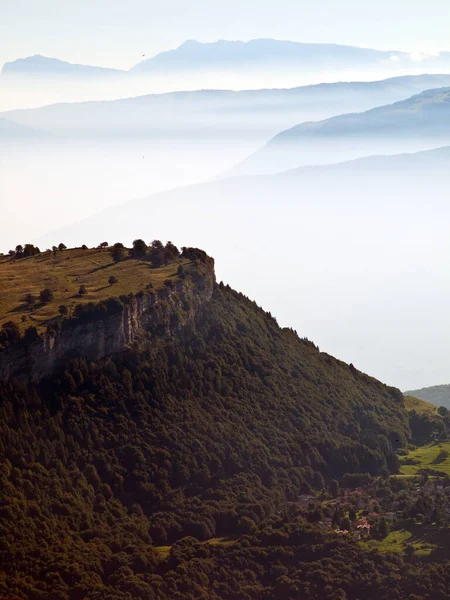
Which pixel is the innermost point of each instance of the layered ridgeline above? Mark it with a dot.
(262, 113)
(418, 123)
(222, 55)
(206, 423)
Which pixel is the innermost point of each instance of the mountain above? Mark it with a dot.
(212, 112)
(418, 123)
(45, 67)
(207, 422)
(340, 243)
(223, 54)
(439, 395)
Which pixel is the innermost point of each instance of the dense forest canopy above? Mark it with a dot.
(207, 434)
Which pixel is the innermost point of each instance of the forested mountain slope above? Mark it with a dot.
(206, 433)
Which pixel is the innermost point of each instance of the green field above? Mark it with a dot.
(398, 540)
(64, 273)
(426, 457)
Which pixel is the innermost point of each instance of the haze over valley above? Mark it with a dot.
(74, 169)
(224, 259)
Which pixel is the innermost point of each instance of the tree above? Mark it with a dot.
(63, 310)
(112, 280)
(30, 250)
(82, 291)
(46, 296)
(104, 245)
(84, 247)
(157, 255)
(171, 252)
(246, 525)
(334, 488)
(55, 250)
(443, 411)
(118, 252)
(62, 247)
(139, 248)
(19, 249)
(383, 528)
(318, 482)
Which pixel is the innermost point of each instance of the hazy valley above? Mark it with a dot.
(223, 420)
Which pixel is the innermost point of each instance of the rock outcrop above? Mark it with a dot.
(146, 314)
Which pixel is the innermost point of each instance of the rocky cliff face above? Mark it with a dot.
(148, 313)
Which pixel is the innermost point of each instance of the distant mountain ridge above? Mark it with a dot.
(225, 54)
(436, 394)
(266, 110)
(43, 65)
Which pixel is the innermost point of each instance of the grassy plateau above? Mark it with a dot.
(63, 273)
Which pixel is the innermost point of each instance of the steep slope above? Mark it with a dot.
(203, 433)
(419, 123)
(208, 112)
(439, 395)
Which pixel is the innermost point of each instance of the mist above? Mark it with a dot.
(331, 250)
(351, 256)
(32, 92)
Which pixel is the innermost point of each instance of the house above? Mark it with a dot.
(362, 526)
(389, 516)
(375, 516)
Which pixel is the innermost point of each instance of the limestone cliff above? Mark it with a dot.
(151, 313)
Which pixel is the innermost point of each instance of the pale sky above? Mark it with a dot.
(116, 33)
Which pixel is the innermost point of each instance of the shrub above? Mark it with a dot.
(46, 296)
(63, 310)
(118, 252)
(62, 247)
(83, 290)
(30, 300)
(112, 280)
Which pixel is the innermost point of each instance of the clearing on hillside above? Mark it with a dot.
(432, 456)
(420, 406)
(64, 272)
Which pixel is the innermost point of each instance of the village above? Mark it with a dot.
(380, 507)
